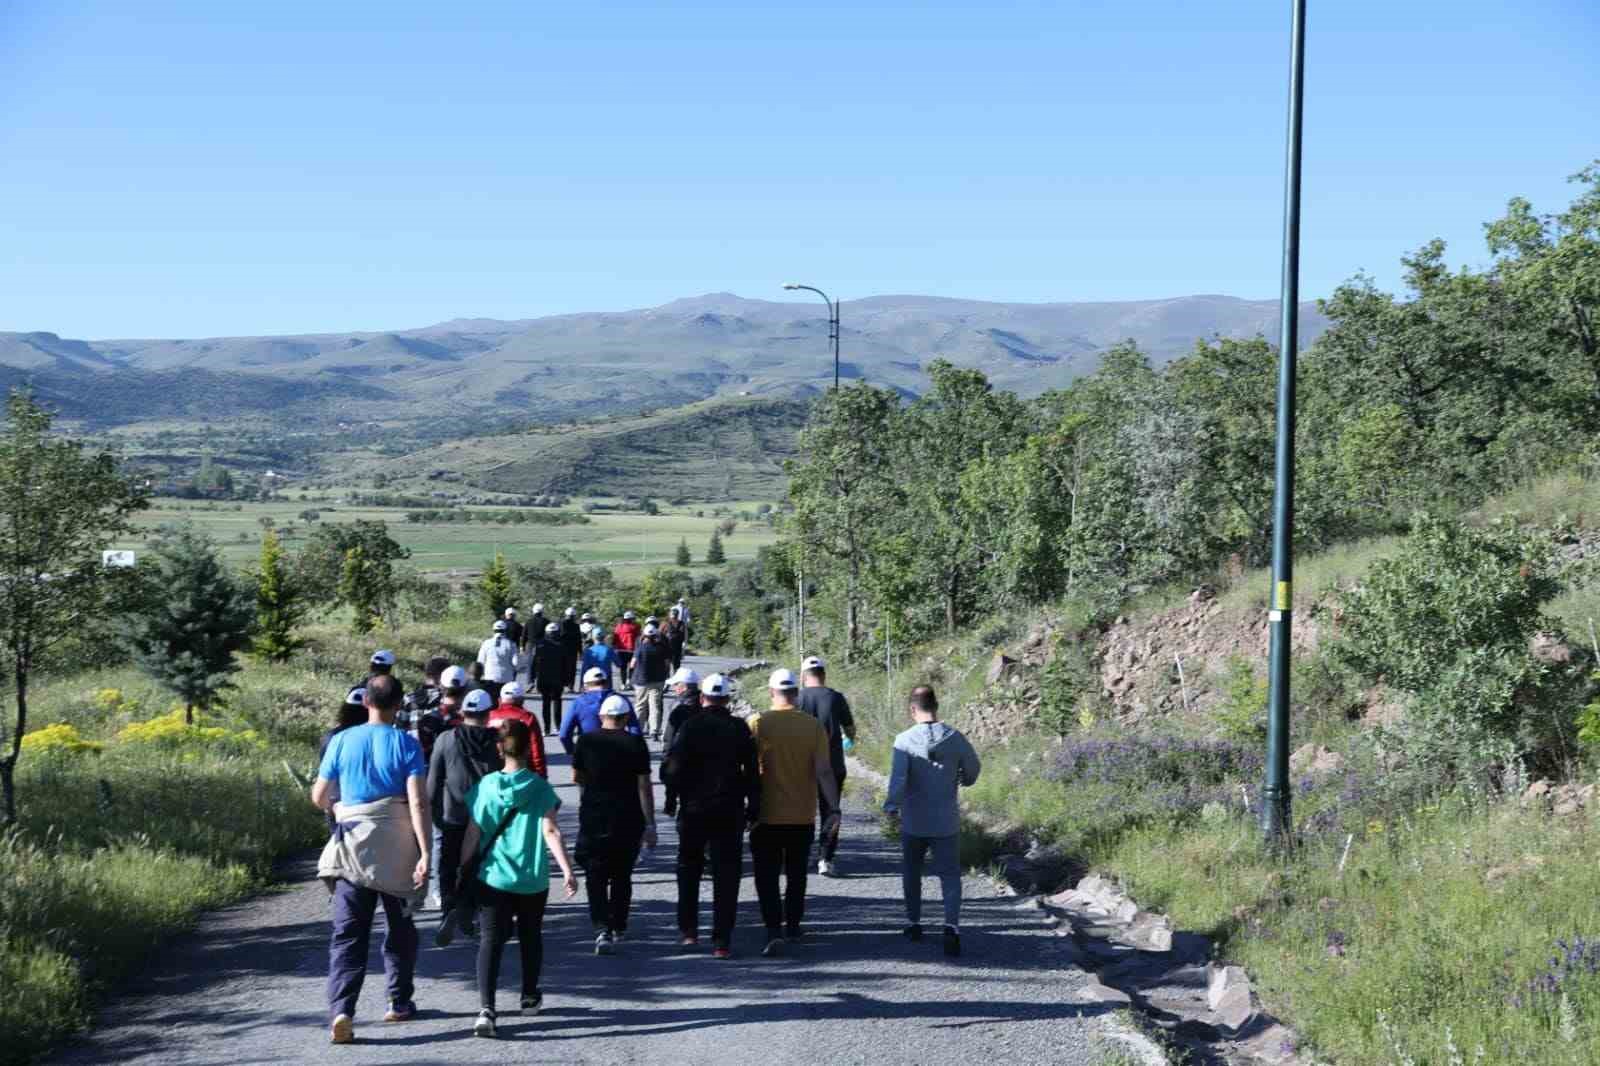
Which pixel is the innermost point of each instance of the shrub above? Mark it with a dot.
(1242, 714)
(171, 731)
(1067, 678)
(60, 738)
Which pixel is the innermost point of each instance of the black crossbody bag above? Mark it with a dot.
(467, 885)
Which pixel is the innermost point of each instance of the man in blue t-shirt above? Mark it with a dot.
(366, 764)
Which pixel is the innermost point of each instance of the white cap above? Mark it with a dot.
(499, 627)
(684, 676)
(716, 686)
(571, 612)
(673, 611)
(552, 629)
(584, 627)
(813, 662)
(629, 615)
(587, 617)
(511, 692)
(511, 612)
(538, 608)
(356, 695)
(652, 620)
(650, 629)
(454, 677)
(782, 679)
(615, 707)
(383, 657)
(594, 676)
(478, 701)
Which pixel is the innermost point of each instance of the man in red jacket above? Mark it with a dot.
(511, 709)
(626, 634)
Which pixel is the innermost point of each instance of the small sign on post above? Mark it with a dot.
(116, 558)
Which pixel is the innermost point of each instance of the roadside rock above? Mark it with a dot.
(1228, 996)
(1316, 759)
(1100, 993)
(1001, 668)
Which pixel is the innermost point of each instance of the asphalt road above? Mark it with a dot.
(247, 986)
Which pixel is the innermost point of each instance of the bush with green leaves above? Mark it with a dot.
(1241, 715)
(1448, 622)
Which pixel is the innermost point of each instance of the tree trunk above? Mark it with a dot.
(188, 714)
(8, 765)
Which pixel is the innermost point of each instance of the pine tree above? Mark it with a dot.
(749, 636)
(683, 552)
(717, 630)
(279, 605)
(495, 586)
(715, 556)
(195, 617)
(358, 587)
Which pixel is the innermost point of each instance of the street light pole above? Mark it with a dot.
(1275, 796)
(833, 324)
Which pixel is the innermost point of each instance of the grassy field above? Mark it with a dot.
(630, 543)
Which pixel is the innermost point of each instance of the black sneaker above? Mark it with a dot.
(952, 941)
(533, 1004)
(774, 947)
(913, 932)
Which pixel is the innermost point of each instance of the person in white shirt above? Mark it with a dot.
(498, 656)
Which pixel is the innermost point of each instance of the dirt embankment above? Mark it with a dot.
(1170, 662)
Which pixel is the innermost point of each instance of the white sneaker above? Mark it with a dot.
(824, 867)
(484, 1026)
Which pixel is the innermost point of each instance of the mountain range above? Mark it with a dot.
(564, 366)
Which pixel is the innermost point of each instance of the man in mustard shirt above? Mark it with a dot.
(792, 750)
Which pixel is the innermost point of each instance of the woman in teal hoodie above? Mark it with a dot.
(517, 808)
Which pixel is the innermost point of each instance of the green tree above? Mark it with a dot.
(495, 586)
(748, 637)
(843, 484)
(715, 556)
(60, 506)
(683, 558)
(717, 629)
(196, 616)
(279, 606)
(325, 565)
(211, 479)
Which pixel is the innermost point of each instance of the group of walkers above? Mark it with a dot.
(453, 773)
(558, 654)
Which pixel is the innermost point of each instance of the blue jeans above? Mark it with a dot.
(353, 911)
(946, 866)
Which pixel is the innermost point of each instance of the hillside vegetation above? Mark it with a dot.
(720, 449)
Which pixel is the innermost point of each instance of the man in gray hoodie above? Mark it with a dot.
(931, 763)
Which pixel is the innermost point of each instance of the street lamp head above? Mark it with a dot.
(792, 285)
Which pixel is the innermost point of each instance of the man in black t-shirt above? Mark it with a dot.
(616, 811)
(833, 711)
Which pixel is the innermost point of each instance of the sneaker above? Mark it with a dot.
(774, 947)
(400, 1011)
(453, 922)
(344, 1030)
(722, 951)
(952, 940)
(913, 932)
(604, 943)
(688, 940)
(533, 1004)
(484, 1026)
(825, 867)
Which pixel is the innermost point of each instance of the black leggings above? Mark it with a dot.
(496, 910)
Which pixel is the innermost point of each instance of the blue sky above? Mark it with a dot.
(192, 169)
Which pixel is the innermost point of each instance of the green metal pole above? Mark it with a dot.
(1275, 798)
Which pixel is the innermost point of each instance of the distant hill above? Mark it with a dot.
(564, 366)
(710, 450)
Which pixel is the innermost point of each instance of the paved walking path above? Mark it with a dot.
(247, 987)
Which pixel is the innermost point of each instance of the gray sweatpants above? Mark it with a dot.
(946, 866)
